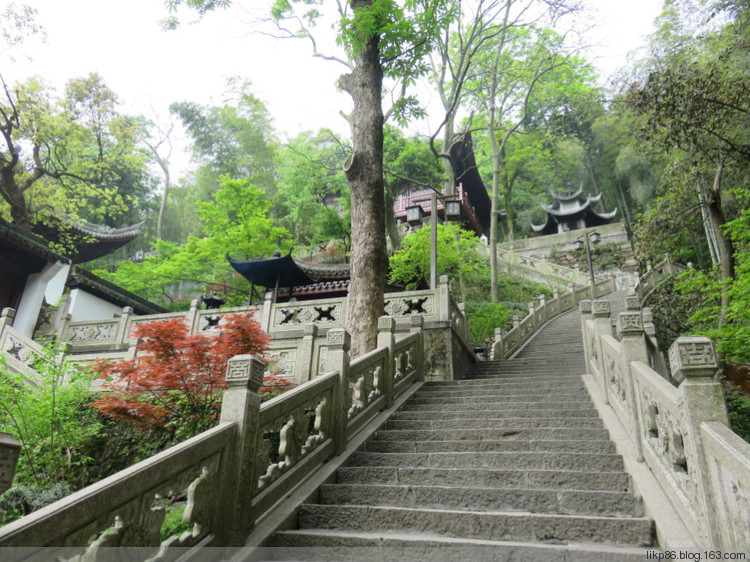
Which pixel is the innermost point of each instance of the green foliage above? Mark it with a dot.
(22, 499)
(50, 417)
(72, 156)
(738, 405)
(236, 222)
(310, 173)
(173, 523)
(457, 256)
(235, 139)
(733, 337)
(483, 318)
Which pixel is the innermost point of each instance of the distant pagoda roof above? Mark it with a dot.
(570, 211)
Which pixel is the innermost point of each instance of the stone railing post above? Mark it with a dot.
(266, 322)
(416, 324)
(496, 352)
(630, 328)
(6, 318)
(387, 338)
(444, 298)
(192, 315)
(602, 326)
(122, 326)
(241, 406)
(306, 369)
(585, 308)
(693, 364)
(338, 342)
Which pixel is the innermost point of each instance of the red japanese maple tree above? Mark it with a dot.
(176, 380)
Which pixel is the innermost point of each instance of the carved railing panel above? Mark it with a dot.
(328, 313)
(728, 460)
(128, 508)
(213, 319)
(366, 383)
(292, 428)
(667, 444)
(417, 303)
(101, 331)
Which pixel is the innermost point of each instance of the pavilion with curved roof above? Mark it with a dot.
(572, 211)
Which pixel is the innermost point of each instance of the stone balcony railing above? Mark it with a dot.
(679, 428)
(298, 349)
(231, 476)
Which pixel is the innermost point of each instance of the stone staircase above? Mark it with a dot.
(511, 463)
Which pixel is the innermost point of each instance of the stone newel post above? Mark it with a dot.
(584, 307)
(630, 328)
(241, 405)
(386, 338)
(338, 342)
(602, 327)
(693, 364)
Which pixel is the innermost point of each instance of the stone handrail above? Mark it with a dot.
(114, 335)
(507, 343)
(655, 275)
(235, 472)
(681, 432)
(134, 502)
(20, 351)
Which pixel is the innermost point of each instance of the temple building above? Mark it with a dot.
(572, 211)
(471, 193)
(35, 276)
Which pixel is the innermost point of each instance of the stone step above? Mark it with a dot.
(615, 481)
(574, 395)
(480, 525)
(493, 460)
(485, 409)
(539, 407)
(326, 544)
(483, 422)
(512, 445)
(536, 387)
(472, 498)
(552, 434)
(500, 382)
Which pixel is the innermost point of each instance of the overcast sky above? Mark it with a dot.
(149, 68)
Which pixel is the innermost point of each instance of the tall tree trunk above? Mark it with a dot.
(726, 248)
(364, 175)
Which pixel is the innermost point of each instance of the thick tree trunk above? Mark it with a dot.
(364, 175)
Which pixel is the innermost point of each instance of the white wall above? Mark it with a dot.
(85, 306)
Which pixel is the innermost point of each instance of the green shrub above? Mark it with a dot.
(50, 418)
(483, 318)
(738, 405)
(21, 500)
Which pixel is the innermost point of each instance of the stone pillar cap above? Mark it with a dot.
(245, 371)
(692, 357)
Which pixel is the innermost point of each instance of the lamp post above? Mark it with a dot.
(414, 216)
(582, 243)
